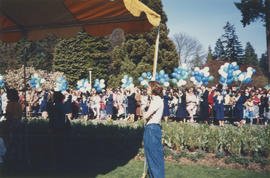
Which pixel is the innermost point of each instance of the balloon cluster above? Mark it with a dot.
(163, 78)
(99, 84)
(36, 81)
(2, 83)
(229, 72)
(83, 85)
(127, 82)
(201, 76)
(61, 84)
(145, 78)
(180, 75)
(245, 77)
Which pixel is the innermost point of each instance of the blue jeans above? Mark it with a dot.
(153, 150)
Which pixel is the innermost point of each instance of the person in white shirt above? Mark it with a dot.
(152, 133)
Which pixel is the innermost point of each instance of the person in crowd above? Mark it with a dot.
(219, 107)
(96, 105)
(173, 102)
(166, 105)
(181, 112)
(204, 111)
(109, 104)
(2, 153)
(152, 133)
(43, 105)
(1, 104)
(68, 104)
(57, 128)
(131, 104)
(211, 104)
(4, 100)
(191, 104)
(84, 107)
(256, 101)
(138, 104)
(103, 114)
(239, 108)
(13, 129)
(264, 106)
(250, 109)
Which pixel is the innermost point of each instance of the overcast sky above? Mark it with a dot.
(205, 19)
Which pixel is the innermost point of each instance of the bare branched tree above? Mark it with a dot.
(189, 49)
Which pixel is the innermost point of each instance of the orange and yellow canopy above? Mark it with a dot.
(65, 18)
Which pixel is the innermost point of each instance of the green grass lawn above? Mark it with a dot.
(135, 168)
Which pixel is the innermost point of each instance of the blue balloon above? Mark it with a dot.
(222, 79)
(174, 81)
(149, 74)
(211, 78)
(236, 67)
(162, 80)
(162, 72)
(144, 75)
(140, 79)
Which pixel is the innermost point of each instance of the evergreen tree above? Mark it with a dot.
(74, 56)
(264, 64)
(253, 10)
(219, 50)
(250, 57)
(233, 48)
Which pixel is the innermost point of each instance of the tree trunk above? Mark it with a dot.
(267, 23)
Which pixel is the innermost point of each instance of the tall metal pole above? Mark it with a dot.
(24, 70)
(90, 77)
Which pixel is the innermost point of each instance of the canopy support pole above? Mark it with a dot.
(24, 71)
(156, 56)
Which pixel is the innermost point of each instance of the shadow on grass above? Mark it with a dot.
(89, 150)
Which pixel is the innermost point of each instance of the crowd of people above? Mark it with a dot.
(203, 104)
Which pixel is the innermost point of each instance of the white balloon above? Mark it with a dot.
(224, 74)
(226, 64)
(241, 77)
(166, 84)
(35, 75)
(192, 79)
(206, 69)
(56, 89)
(206, 74)
(83, 90)
(102, 81)
(102, 85)
(123, 80)
(1, 77)
(249, 69)
(42, 80)
(238, 72)
(197, 69)
(234, 63)
(184, 82)
(144, 82)
(132, 85)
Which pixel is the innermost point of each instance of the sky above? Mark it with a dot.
(204, 20)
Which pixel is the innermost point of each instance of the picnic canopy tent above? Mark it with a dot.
(34, 19)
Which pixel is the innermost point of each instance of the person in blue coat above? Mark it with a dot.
(84, 107)
(181, 112)
(239, 108)
(219, 107)
(132, 104)
(166, 105)
(204, 110)
(109, 105)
